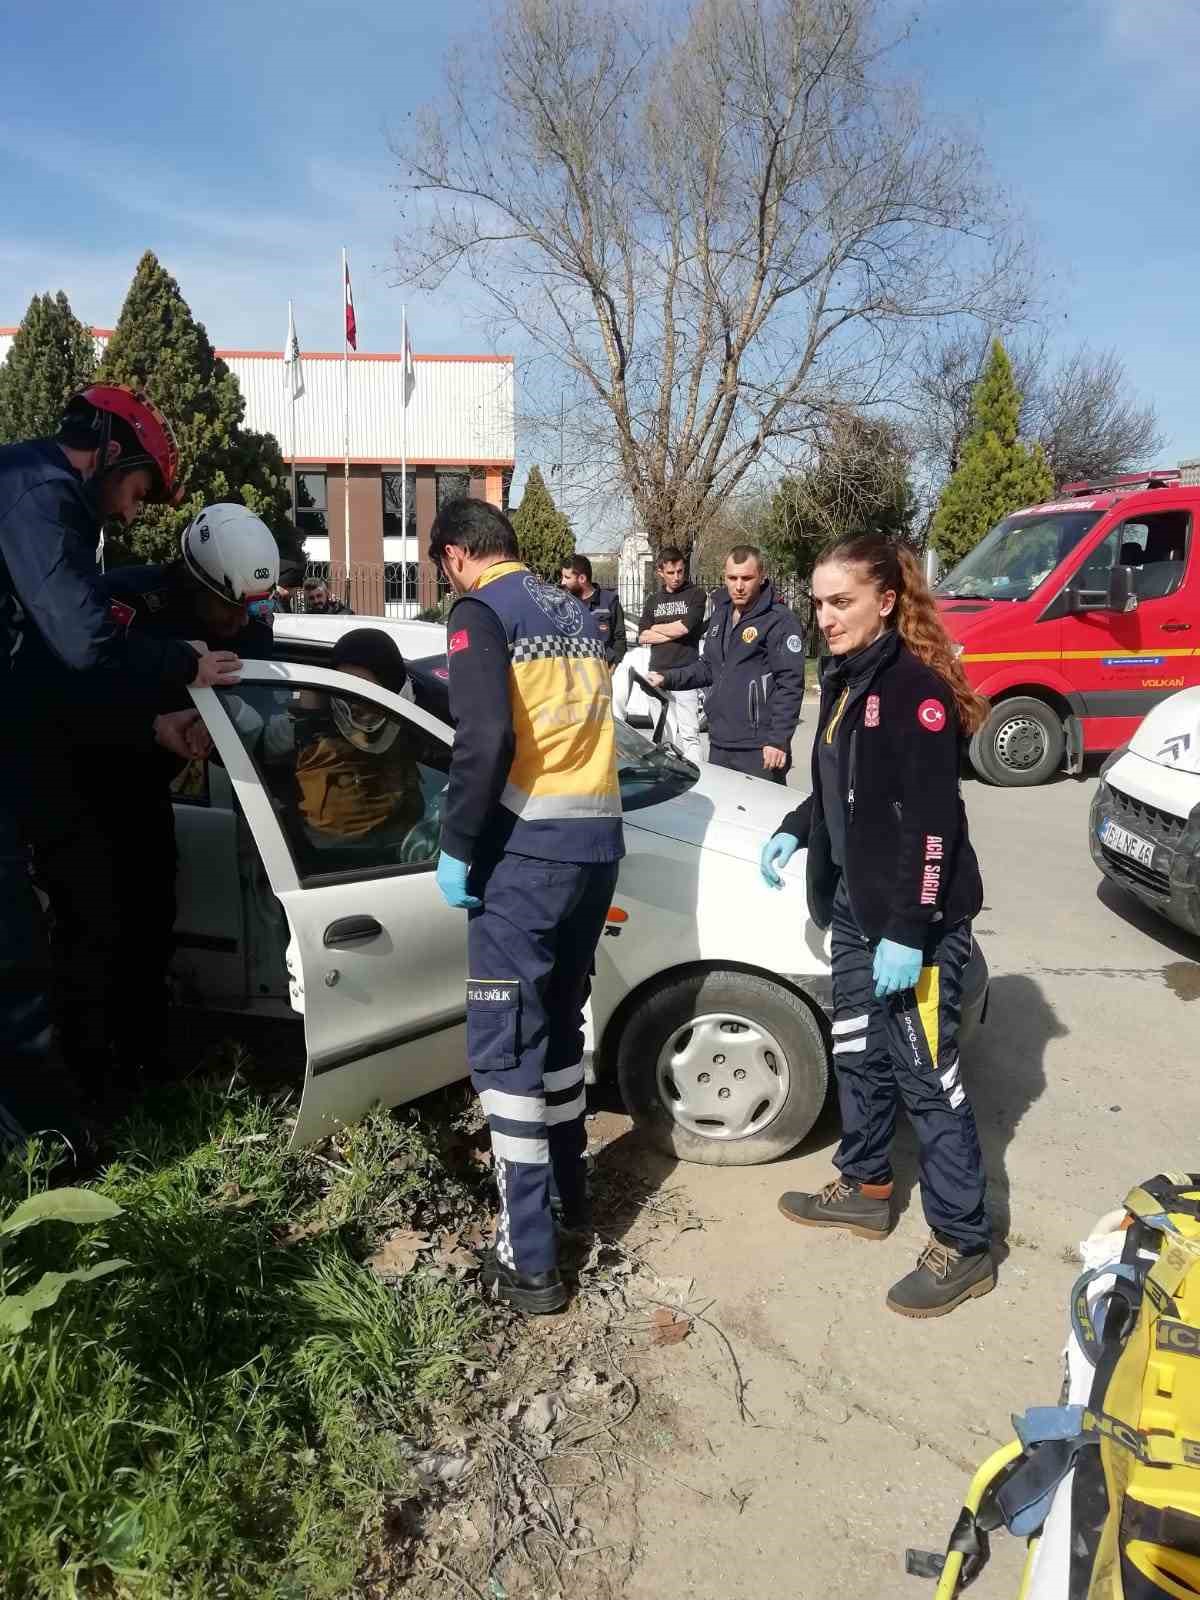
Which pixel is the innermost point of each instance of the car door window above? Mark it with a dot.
(1154, 545)
(357, 789)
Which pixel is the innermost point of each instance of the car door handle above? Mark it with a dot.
(1176, 627)
(352, 930)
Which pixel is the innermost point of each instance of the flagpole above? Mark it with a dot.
(346, 397)
(290, 384)
(404, 446)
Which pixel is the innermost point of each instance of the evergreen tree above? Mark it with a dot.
(158, 346)
(52, 355)
(543, 532)
(996, 473)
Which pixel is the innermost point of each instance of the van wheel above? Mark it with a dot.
(723, 1068)
(1021, 743)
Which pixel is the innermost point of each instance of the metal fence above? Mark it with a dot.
(413, 590)
(406, 590)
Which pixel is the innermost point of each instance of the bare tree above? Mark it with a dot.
(1082, 410)
(717, 231)
(1087, 417)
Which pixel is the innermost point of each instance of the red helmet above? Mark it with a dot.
(149, 427)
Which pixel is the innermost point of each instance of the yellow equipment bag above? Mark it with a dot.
(1107, 1486)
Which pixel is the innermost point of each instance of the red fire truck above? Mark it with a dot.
(1074, 618)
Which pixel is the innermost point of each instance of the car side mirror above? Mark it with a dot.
(1120, 595)
(1122, 590)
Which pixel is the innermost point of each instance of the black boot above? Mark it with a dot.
(842, 1204)
(942, 1279)
(535, 1294)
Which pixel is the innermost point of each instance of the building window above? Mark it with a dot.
(311, 504)
(452, 485)
(391, 505)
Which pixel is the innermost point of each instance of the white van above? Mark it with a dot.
(1145, 818)
(711, 990)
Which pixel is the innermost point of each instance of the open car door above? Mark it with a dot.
(341, 784)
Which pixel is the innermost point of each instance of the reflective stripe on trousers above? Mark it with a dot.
(905, 1048)
(530, 950)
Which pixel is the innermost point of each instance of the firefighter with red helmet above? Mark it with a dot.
(113, 453)
(113, 926)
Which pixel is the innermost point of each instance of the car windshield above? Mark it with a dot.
(648, 773)
(1016, 556)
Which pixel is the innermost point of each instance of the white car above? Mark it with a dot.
(1145, 816)
(710, 993)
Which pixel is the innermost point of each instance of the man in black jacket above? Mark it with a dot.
(113, 451)
(753, 670)
(108, 861)
(604, 604)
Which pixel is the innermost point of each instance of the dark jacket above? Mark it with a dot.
(605, 606)
(150, 604)
(756, 671)
(54, 620)
(908, 854)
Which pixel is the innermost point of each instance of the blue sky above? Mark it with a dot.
(246, 143)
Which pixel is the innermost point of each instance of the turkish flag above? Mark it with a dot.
(351, 324)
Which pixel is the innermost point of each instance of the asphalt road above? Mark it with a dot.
(866, 1426)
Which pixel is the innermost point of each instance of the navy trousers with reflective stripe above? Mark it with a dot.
(905, 1048)
(530, 949)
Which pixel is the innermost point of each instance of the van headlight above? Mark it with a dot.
(958, 648)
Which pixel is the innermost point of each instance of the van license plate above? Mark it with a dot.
(1126, 843)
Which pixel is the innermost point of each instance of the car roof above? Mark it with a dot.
(416, 640)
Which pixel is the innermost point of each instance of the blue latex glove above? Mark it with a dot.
(452, 881)
(897, 967)
(777, 852)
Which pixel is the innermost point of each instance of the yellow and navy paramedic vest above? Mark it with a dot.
(562, 786)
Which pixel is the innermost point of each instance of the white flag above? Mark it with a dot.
(410, 371)
(293, 371)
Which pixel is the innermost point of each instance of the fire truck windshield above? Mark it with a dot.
(1017, 555)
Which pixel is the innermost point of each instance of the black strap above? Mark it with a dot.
(1173, 1196)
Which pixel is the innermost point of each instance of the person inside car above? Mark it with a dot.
(891, 870)
(354, 779)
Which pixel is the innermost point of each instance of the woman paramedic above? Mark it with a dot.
(891, 871)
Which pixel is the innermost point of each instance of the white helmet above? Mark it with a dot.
(232, 552)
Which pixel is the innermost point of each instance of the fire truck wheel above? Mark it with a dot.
(1020, 744)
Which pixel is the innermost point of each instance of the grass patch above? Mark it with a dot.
(229, 1416)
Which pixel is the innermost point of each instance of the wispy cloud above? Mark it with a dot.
(1166, 32)
(237, 264)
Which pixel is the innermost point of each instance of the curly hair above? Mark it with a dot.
(891, 565)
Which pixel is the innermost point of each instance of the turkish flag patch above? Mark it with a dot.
(121, 614)
(931, 714)
(459, 641)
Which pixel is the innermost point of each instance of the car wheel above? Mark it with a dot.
(1020, 744)
(723, 1068)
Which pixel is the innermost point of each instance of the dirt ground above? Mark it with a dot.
(858, 1429)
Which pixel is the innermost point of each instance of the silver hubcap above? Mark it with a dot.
(1021, 743)
(723, 1076)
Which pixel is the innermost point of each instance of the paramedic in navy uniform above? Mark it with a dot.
(891, 869)
(531, 840)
